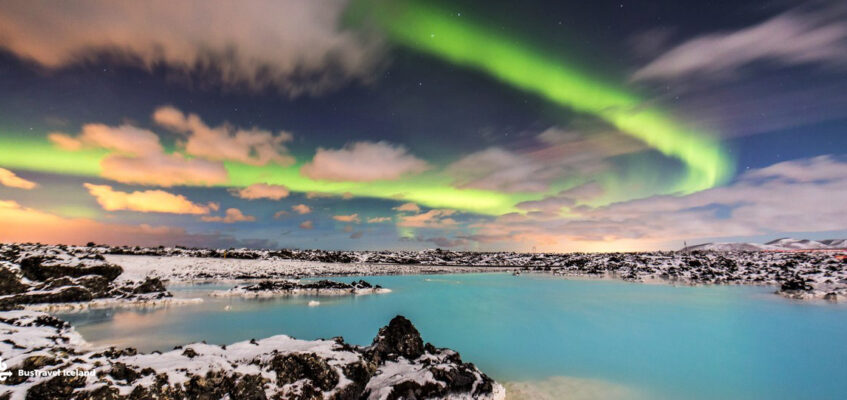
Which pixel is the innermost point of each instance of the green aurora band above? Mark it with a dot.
(443, 34)
(429, 189)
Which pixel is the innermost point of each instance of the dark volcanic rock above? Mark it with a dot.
(323, 284)
(347, 371)
(60, 275)
(10, 282)
(795, 284)
(294, 367)
(33, 268)
(56, 388)
(62, 295)
(150, 285)
(399, 338)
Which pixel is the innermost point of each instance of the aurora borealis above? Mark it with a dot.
(412, 124)
(449, 36)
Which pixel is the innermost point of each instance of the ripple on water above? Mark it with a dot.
(571, 388)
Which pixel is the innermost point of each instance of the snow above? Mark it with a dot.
(24, 334)
(188, 269)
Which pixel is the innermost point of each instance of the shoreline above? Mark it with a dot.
(139, 281)
(47, 358)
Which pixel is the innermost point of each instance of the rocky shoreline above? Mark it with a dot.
(45, 358)
(50, 275)
(48, 360)
(287, 287)
(36, 277)
(797, 275)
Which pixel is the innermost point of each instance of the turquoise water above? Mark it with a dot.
(656, 341)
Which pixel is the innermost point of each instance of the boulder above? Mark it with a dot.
(398, 338)
(291, 368)
(10, 282)
(150, 285)
(795, 284)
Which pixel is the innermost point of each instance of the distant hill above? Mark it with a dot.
(784, 244)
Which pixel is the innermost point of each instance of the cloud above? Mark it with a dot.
(162, 170)
(410, 207)
(377, 220)
(261, 191)
(502, 170)
(8, 178)
(280, 214)
(357, 235)
(225, 143)
(429, 219)
(557, 154)
(441, 241)
(231, 216)
(347, 218)
(553, 205)
(125, 139)
(307, 225)
(137, 157)
(363, 162)
(796, 37)
(301, 209)
(22, 224)
(806, 195)
(146, 201)
(295, 46)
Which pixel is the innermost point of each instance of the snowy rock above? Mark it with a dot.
(40, 350)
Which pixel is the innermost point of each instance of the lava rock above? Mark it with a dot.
(795, 284)
(398, 338)
(121, 371)
(10, 282)
(58, 388)
(150, 285)
(291, 368)
(34, 269)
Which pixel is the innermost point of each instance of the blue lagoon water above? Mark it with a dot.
(593, 338)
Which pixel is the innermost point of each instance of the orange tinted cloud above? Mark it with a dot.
(280, 214)
(262, 191)
(429, 219)
(307, 225)
(163, 170)
(231, 216)
(126, 139)
(226, 143)
(347, 218)
(301, 209)
(138, 157)
(410, 207)
(376, 220)
(8, 178)
(146, 201)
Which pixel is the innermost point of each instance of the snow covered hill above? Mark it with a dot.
(784, 244)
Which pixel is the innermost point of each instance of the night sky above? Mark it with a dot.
(371, 124)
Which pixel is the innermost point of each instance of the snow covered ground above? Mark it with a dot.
(47, 359)
(187, 269)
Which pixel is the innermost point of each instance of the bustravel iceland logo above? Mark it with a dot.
(3, 373)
